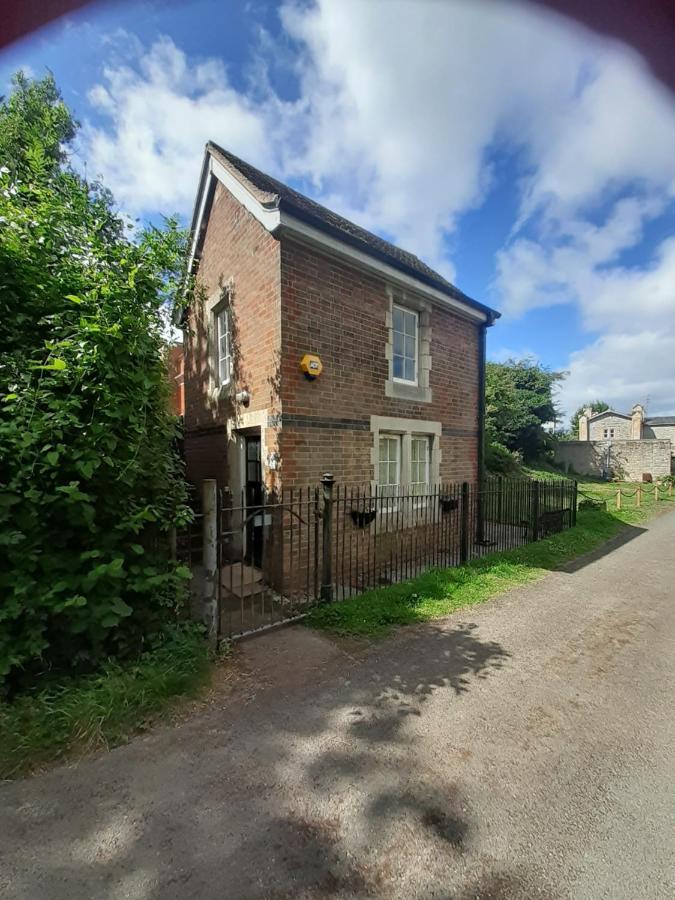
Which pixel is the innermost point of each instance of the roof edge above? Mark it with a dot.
(272, 204)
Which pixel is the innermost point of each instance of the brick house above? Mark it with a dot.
(398, 401)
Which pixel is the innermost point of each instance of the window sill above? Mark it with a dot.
(406, 390)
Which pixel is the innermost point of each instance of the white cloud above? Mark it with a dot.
(399, 107)
(622, 369)
(405, 100)
(159, 110)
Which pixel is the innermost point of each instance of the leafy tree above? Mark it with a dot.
(596, 405)
(89, 477)
(518, 402)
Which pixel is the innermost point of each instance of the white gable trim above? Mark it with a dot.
(268, 216)
(272, 219)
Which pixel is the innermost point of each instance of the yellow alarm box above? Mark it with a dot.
(311, 365)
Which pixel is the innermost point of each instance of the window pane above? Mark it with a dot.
(398, 343)
(409, 370)
(398, 367)
(409, 348)
(398, 319)
(410, 323)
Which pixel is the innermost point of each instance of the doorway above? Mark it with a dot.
(253, 493)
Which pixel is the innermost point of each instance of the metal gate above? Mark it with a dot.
(268, 557)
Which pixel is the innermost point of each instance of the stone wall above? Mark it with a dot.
(660, 432)
(630, 459)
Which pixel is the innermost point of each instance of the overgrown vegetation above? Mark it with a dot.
(440, 592)
(90, 481)
(518, 403)
(101, 710)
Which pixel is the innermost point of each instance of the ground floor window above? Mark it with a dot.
(389, 463)
(420, 458)
(406, 455)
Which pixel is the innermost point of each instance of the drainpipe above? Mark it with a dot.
(480, 533)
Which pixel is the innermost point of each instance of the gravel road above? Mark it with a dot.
(520, 749)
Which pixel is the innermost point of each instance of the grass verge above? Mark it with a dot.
(101, 710)
(442, 591)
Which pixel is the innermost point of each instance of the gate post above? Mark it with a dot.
(464, 532)
(327, 482)
(575, 502)
(211, 612)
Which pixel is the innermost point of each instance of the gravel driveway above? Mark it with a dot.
(519, 749)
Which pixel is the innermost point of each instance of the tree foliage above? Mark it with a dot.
(89, 477)
(518, 403)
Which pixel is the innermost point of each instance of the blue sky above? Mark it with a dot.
(529, 160)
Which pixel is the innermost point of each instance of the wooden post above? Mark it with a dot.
(656, 491)
(618, 498)
(638, 496)
(210, 613)
(327, 482)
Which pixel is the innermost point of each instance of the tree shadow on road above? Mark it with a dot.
(314, 792)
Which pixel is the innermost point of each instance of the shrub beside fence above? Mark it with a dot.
(274, 558)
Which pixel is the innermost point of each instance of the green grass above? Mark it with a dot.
(101, 710)
(442, 591)
(598, 489)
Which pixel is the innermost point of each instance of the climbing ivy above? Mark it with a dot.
(90, 482)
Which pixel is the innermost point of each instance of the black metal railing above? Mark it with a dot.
(279, 553)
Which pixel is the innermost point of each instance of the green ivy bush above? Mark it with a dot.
(89, 482)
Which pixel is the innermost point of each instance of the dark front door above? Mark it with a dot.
(254, 514)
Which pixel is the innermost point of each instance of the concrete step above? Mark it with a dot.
(241, 580)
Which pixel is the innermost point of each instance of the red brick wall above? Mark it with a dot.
(330, 308)
(237, 248)
(175, 371)
(338, 311)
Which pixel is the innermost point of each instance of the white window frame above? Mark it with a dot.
(426, 483)
(394, 439)
(609, 433)
(406, 430)
(414, 314)
(223, 359)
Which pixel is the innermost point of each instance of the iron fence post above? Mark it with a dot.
(464, 533)
(210, 558)
(535, 511)
(327, 482)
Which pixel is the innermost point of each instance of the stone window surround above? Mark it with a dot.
(399, 390)
(406, 428)
(216, 303)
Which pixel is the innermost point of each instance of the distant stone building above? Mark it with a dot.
(613, 444)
